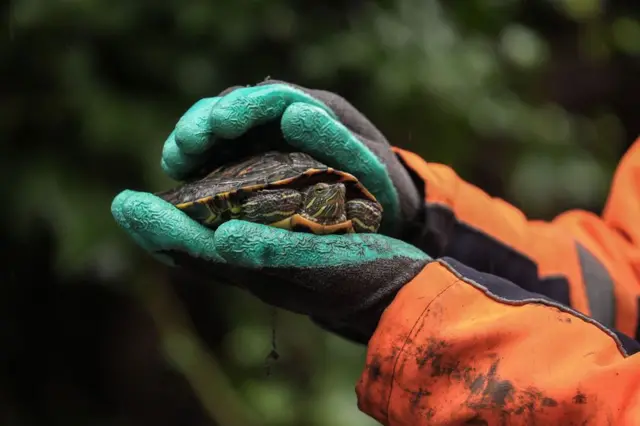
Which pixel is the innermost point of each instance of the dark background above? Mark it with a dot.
(534, 101)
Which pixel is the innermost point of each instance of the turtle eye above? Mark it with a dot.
(320, 187)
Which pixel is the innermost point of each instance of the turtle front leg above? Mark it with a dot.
(365, 215)
(270, 206)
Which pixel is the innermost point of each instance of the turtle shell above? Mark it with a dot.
(269, 170)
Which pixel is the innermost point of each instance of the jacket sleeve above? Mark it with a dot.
(462, 347)
(579, 259)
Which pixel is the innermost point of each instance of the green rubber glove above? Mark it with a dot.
(343, 282)
(317, 122)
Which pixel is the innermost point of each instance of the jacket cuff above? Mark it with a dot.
(397, 326)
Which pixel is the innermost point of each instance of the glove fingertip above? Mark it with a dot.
(132, 207)
(169, 171)
(119, 204)
(158, 226)
(123, 213)
(192, 139)
(193, 132)
(175, 162)
(172, 162)
(126, 211)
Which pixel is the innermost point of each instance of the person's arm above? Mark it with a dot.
(458, 346)
(584, 261)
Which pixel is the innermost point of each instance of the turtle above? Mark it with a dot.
(289, 190)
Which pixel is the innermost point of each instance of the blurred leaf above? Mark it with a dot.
(523, 46)
(626, 35)
(581, 9)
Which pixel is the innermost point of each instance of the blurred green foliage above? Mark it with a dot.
(527, 99)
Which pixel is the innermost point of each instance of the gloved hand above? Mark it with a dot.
(317, 122)
(343, 282)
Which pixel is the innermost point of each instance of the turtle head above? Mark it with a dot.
(325, 203)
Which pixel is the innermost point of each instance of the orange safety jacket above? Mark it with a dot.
(516, 322)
